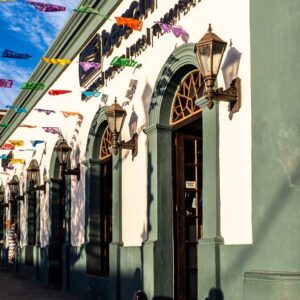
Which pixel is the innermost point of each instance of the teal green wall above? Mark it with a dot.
(275, 69)
(275, 41)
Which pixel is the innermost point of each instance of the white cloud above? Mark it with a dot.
(38, 27)
(14, 28)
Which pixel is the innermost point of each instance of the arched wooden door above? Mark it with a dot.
(186, 119)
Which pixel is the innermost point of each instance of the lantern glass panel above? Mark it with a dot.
(110, 116)
(119, 121)
(205, 60)
(13, 188)
(217, 52)
(29, 174)
(34, 175)
(65, 155)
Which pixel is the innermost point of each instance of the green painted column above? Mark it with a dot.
(116, 244)
(158, 249)
(92, 210)
(209, 244)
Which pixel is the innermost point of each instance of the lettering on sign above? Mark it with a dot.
(190, 184)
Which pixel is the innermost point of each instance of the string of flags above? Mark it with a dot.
(121, 61)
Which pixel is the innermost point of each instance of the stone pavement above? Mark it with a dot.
(15, 286)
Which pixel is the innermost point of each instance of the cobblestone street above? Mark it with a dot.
(15, 286)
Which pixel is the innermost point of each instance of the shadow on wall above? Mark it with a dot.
(215, 294)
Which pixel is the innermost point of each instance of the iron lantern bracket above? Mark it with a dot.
(75, 171)
(131, 145)
(4, 204)
(231, 95)
(40, 188)
(19, 198)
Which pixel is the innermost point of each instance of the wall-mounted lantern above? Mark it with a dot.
(63, 151)
(33, 173)
(209, 51)
(13, 185)
(115, 116)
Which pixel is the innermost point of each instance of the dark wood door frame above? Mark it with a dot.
(187, 224)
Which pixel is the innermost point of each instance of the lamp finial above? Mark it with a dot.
(116, 100)
(209, 27)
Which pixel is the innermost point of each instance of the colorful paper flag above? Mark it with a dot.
(17, 161)
(90, 10)
(18, 109)
(70, 113)
(17, 143)
(130, 22)
(86, 65)
(27, 126)
(32, 86)
(21, 110)
(46, 111)
(6, 83)
(36, 142)
(58, 92)
(45, 7)
(7, 146)
(91, 94)
(53, 130)
(56, 61)
(12, 54)
(178, 31)
(3, 156)
(122, 62)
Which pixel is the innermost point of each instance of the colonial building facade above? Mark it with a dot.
(207, 205)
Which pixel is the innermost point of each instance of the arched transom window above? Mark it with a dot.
(190, 89)
(105, 144)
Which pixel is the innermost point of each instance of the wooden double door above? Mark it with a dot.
(187, 212)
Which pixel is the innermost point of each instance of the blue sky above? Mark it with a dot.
(24, 29)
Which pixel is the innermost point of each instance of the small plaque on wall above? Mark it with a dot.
(190, 184)
(91, 53)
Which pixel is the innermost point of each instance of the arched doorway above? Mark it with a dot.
(2, 221)
(59, 225)
(32, 215)
(186, 122)
(161, 134)
(100, 230)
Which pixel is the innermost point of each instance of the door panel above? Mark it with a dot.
(187, 213)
